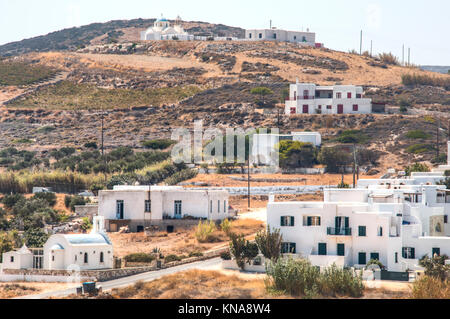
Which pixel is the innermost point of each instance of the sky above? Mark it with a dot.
(421, 25)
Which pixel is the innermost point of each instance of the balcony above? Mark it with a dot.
(306, 97)
(339, 231)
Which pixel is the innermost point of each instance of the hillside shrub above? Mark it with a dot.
(417, 134)
(140, 258)
(427, 287)
(204, 231)
(158, 144)
(269, 243)
(172, 258)
(50, 198)
(334, 158)
(417, 79)
(416, 167)
(242, 250)
(388, 58)
(225, 255)
(295, 154)
(181, 176)
(419, 148)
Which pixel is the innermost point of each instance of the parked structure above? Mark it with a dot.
(141, 206)
(264, 145)
(308, 98)
(92, 251)
(396, 221)
(274, 34)
(162, 30)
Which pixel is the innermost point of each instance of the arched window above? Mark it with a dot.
(85, 258)
(438, 228)
(101, 257)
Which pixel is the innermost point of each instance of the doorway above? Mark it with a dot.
(322, 249)
(341, 249)
(340, 109)
(177, 209)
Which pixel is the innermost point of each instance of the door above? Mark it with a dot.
(436, 251)
(322, 249)
(119, 209)
(305, 109)
(362, 259)
(340, 109)
(178, 209)
(341, 249)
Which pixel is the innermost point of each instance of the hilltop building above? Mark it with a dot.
(162, 30)
(396, 221)
(307, 98)
(92, 251)
(274, 34)
(141, 206)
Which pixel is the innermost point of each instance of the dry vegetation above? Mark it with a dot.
(182, 242)
(17, 289)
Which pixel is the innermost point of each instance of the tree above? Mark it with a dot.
(35, 238)
(242, 250)
(269, 243)
(8, 240)
(86, 224)
(435, 266)
(416, 167)
(295, 154)
(262, 92)
(334, 159)
(50, 198)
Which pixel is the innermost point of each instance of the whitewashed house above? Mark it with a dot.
(395, 221)
(141, 206)
(308, 98)
(162, 30)
(92, 251)
(264, 145)
(274, 34)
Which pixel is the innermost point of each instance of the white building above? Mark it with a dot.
(142, 206)
(264, 145)
(162, 30)
(308, 98)
(274, 34)
(395, 221)
(92, 251)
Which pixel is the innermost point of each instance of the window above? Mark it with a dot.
(375, 256)
(329, 107)
(355, 107)
(445, 219)
(339, 95)
(53, 258)
(435, 251)
(148, 206)
(224, 206)
(304, 39)
(210, 208)
(396, 258)
(287, 221)
(311, 220)
(362, 260)
(408, 253)
(119, 209)
(76, 258)
(260, 35)
(12, 259)
(177, 208)
(249, 35)
(86, 258)
(380, 231)
(349, 95)
(362, 231)
(438, 228)
(274, 35)
(218, 206)
(102, 257)
(322, 249)
(320, 107)
(305, 94)
(295, 37)
(358, 96)
(341, 249)
(288, 248)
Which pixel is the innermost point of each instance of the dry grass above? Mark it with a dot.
(182, 242)
(18, 289)
(196, 284)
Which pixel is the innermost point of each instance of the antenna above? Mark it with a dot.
(371, 46)
(403, 54)
(409, 56)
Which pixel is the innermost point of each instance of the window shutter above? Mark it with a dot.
(404, 252)
(320, 221)
(292, 221)
(347, 222)
(413, 253)
(309, 221)
(282, 221)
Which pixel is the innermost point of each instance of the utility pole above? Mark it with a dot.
(354, 165)
(403, 54)
(371, 46)
(360, 43)
(103, 145)
(248, 180)
(409, 56)
(437, 138)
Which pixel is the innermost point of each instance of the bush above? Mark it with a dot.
(204, 231)
(225, 255)
(295, 154)
(172, 258)
(10, 200)
(158, 144)
(416, 167)
(72, 201)
(181, 176)
(417, 134)
(334, 158)
(140, 258)
(50, 198)
(242, 250)
(35, 238)
(352, 137)
(225, 226)
(269, 243)
(195, 254)
(416, 79)
(431, 288)
(300, 278)
(388, 58)
(375, 262)
(419, 148)
(435, 266)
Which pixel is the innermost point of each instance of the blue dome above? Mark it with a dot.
(162, 20)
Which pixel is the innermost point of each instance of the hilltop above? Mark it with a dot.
(151, 87)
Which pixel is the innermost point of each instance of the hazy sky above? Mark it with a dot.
(422, 25)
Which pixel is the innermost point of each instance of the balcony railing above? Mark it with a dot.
(339, 231)
(306, 97)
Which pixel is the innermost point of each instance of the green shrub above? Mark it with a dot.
(352, 137)
(269, 243)
(420, 148)
(334, 159)
(416, 79)
(181, 176)
(225, 226)
(417, 134)
(195, 254)
(10, 200)
(50, 198)
(140, 258)
(172, 258)
(225, 255)
(242, 250)
(299, 278)
(204, 231)
(158, 144)
(375, 262)
(35, 238)
(416, 167)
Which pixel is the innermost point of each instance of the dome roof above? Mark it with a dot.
(162, 20)
(87, 239)
(57, 247)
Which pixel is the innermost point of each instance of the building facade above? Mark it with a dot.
(273, 34)
(92, 251)
(307, 98)
(141, 206)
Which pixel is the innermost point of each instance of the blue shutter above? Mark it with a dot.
(292, 221)
(282, 221)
